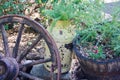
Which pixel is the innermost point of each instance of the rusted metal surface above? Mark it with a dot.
(11, 64)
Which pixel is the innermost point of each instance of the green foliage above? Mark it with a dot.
(116, 12)
(14, 7)
(115, 39)
(17, 6)
(41, 1)
(6, 27)
(89, 12)
(61, 11)
(95, 30)
(99, 55)
(105, 35)
(11, 7)
(76, 11)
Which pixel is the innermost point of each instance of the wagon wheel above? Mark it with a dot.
(12, 60)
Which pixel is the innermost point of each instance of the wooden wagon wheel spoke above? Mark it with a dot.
(28, 76)
(29, 48)
(13, 66)
(15, 49)
(5, 41)
(34, 62)
(17, 78)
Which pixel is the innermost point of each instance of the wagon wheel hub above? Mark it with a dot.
(8, 68)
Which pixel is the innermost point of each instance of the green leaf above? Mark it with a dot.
(6, 27)
(117, 47)
(44, 1)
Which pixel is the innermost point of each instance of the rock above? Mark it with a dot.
(41, 72)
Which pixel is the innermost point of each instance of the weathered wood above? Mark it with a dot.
(19, 59)
(15, 49)
(34, 62)
(5, 41)
(98, 70)
(29, 48)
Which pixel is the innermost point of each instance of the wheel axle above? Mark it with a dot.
(9, 68)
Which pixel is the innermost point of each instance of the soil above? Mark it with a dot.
(93, 52)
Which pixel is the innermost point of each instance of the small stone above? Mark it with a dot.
(29, 43)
